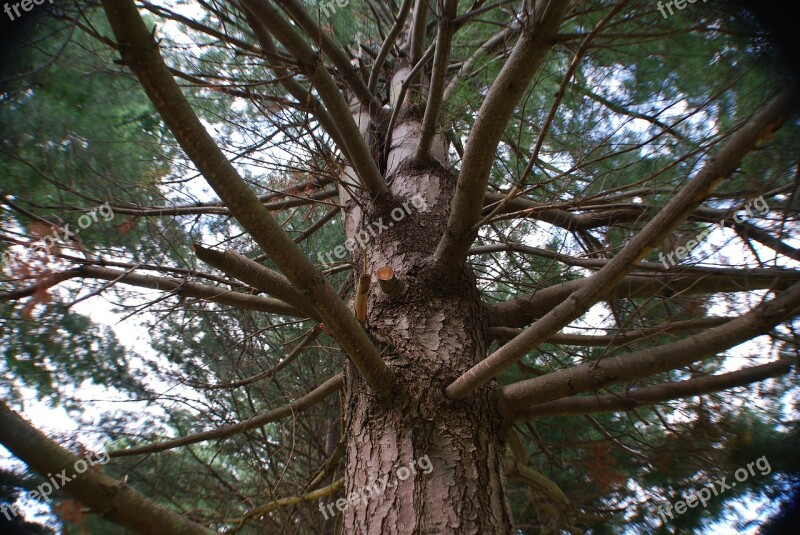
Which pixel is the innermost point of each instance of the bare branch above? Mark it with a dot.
(186, 288)
(491, 44)
(314, 495)
(523, 310)
(217, 208)
(256, 275)
(387, 45)
(747, 231)
(620, 338)
(564, 218)
(436, 88)
(419, 26)
(308, 338)
(300, 404)
(562, 90)
(332, 50)
(536, 39)
(300, 93)
(310, 64)
(44, 284)
(626, 401)
(592, 376)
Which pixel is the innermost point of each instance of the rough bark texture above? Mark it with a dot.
(429, 335)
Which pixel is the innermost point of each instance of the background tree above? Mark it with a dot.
(569, 233)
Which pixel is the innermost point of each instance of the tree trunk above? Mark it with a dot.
(429, 335)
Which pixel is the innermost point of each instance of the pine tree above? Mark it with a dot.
(420, 267)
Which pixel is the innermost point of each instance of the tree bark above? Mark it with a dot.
(429, 335)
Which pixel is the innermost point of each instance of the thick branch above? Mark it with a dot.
(436, 88)
(522, 207)
(300, 404)
(110, 498)
(616, 339)
(506, 91)
(521, 311)
(185, 288)
(388, 43)
(592, 376)
(40, 286)
(419, 26)
(256, 275)
(141, 54)
(748, 231)
(331, 49)
(655, 394)
(760, 126)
